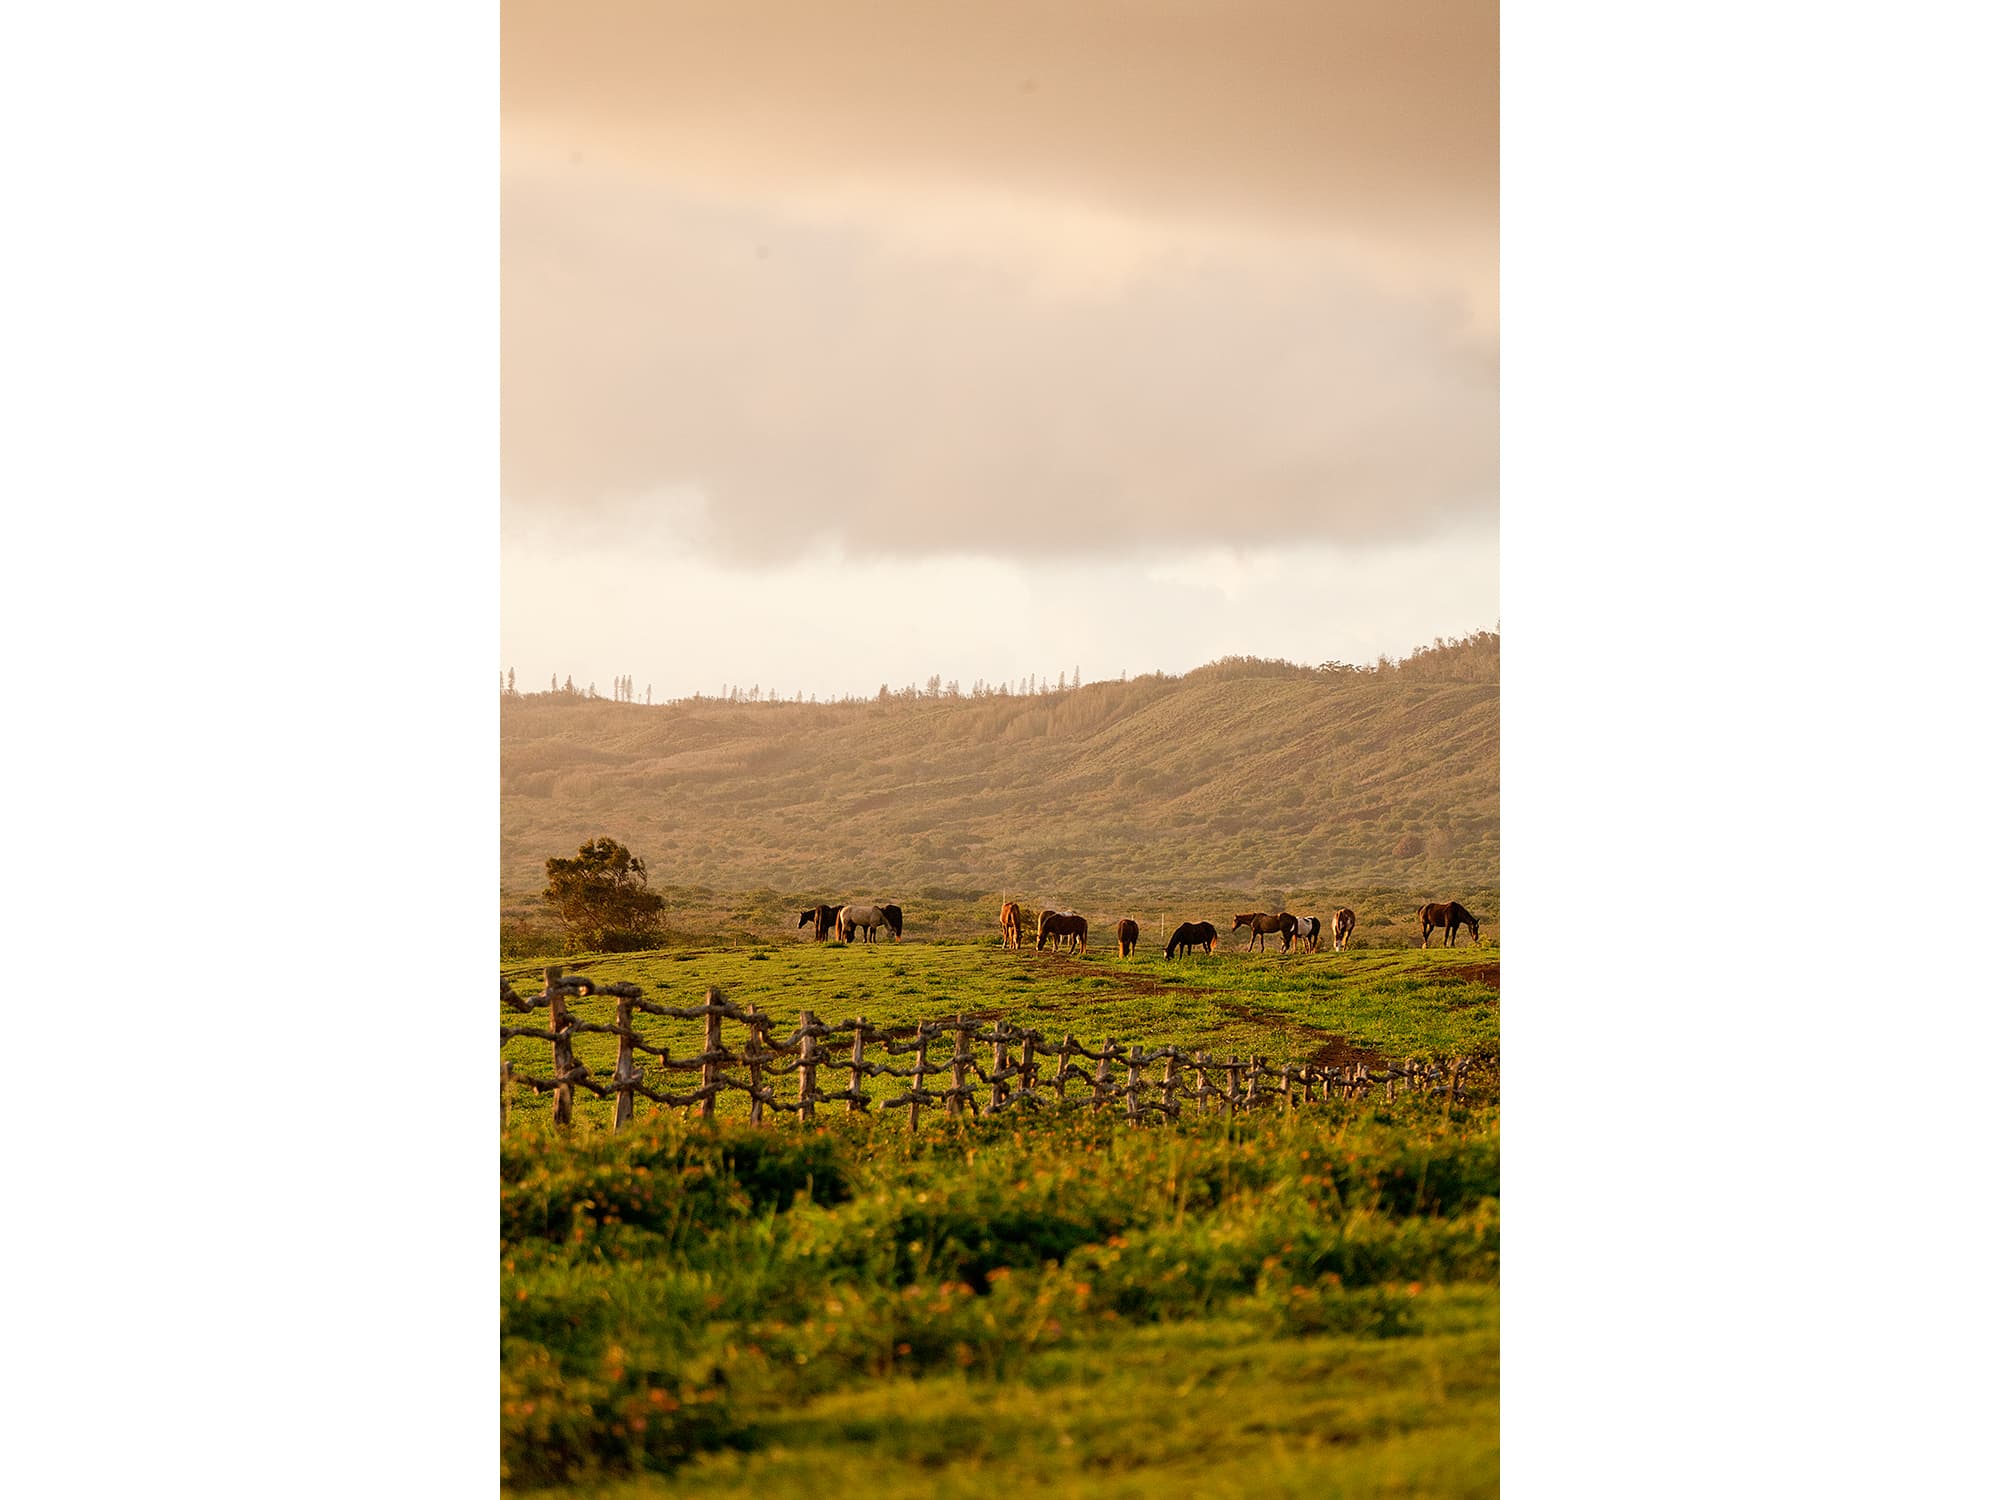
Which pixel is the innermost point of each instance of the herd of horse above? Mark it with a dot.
(1068, 930)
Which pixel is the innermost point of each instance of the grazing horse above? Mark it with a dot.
(1343, 927)
(1188, 934)
(867, 918)
(1128, 938)
(822, 919)
(1010, 924)
(1308, 935)
(893, 915)
(1262, 924)
(1062, 925)
(1448, 915)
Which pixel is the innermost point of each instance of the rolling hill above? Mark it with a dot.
(1246, 780)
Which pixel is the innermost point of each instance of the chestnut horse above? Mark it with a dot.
(1128, 938)
(1343, 927)
(822, 919)
(1448, 915)
(1188, 934)
(1063, 926)
(1263, 923)
(1010, 924)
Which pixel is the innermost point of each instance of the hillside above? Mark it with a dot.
(1246, 778)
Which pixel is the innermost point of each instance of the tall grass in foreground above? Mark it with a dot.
(1048, 1300)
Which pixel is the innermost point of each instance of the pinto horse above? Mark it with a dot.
(1308, 935)
(1063, 926)
(1128, 938)
(1449, 915)
(1261, 924)
(1010, 924)
(1189, 934)
(1343, 927)
(866, 918)
(822, 919)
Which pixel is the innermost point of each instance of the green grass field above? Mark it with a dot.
(1283, 1304)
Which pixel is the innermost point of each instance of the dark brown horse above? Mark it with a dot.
(1262, 923)
(1063, 926)
(1128, 938)
(1449, 915)
(822, 919)
(1343, 927)
(1189, 934)
(895, 916)
(1010, 924)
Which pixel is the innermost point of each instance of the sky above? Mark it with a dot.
(845, 345)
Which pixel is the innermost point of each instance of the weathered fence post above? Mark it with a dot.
(1256, 1072)
(997, 1077)
(1028, 1066)
(1203, 1095)
(1062, 1067)
(506, 1078)
(564, 1059)
(1132, 1068)
(711, 1053)
(855, 1100)
(623, 1076)
(1100, 1088)
(917, 1077)
(753, 1057)
(961, 1059)
(1285, 1082)
(808, 1064)
(1235, 1086)
(1171, 1087)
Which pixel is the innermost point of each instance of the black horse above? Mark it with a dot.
(895, 916)
(1450, 916)
(1189, 934)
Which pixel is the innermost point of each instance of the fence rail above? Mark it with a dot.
(1027, 1073)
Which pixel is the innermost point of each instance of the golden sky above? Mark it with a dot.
(786, 280)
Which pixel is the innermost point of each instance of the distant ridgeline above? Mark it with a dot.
(1245, 775)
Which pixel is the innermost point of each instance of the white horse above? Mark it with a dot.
(867, 918)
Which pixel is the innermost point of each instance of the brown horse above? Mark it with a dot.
(822, 919)
(1343, 927)
(1063, 926)
(1188, 934)
(1449, 915)
(1261, 924)
(1010, 924)
(1128, 938)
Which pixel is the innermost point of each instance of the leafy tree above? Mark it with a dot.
(601, 899)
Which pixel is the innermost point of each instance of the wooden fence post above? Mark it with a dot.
(1235, 1086)
(1100, 1088)
(711, 1048)
(506, 1078)
(1256, 1072)
(854, 1099)
(1062, 1067)
(1172, 1084)
(1132, 1085)
(564, 1059)
(622, 1077)
(917, 1077)
(999, 1068)
(961, 1059)
(1285, 1082)
(753, 1058)
(1028, 1066)
(808, 1064)
(1205, 1098)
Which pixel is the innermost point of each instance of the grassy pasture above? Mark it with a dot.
(1279, 1306)
(1326, 1007)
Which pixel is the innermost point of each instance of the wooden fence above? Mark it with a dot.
(1026, 1073)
